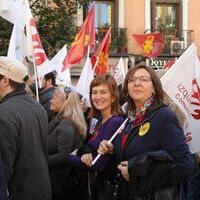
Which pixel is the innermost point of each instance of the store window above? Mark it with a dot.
(104, 13)
(166, 16)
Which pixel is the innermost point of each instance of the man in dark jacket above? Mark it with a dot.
(23, 136)
(46, 94)
(3, 187)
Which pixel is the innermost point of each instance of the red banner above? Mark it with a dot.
(85, 37)
(100, 58)
(152, 44)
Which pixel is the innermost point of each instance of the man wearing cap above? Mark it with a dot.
(23, 136)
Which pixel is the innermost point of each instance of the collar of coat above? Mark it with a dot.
(11, 94)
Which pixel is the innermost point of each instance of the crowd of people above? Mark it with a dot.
(47, 148)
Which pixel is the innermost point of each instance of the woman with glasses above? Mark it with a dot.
(152, 156)
(66, 133)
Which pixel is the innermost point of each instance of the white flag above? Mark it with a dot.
(57, 60)
(35, 51)
(87, 75)
(16, 49)
(5, 5)
(119, 72)
(62, 78)
(14, 11)
(182, 83)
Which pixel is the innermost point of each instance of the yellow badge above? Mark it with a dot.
(144, 129)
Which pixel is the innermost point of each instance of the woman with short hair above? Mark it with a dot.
(152, 156)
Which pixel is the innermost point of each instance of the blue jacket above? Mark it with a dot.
(160, 130)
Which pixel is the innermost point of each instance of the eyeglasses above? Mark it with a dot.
(141, 79)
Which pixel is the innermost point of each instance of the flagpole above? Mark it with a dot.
(36, 81)
(88, 53)
(111, 139)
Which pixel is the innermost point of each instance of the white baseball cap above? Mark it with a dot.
(14, 70)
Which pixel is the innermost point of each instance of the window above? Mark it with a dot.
(104, 13)
(166, 16)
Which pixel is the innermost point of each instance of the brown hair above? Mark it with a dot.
(158, 96)
(110, 81)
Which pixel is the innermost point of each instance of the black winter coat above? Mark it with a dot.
(152, 177)
(63, 138)
(23, 147)
(159, 130)
(3, 187)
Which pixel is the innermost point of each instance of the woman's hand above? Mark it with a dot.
(123, 167)
(105, 147)
(87, 159)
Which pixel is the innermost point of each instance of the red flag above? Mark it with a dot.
(85, 37)
(152, 44)
(101, 55)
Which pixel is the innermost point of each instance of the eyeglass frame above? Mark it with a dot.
(141, 79)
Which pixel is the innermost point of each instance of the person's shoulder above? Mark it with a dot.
(117, 119)
(164, 113)
(67, 124)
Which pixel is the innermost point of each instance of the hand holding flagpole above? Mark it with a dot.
(119, 130)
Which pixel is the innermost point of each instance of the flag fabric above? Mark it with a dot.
(119, 72)
(84, 38)
(5, 5)
(100, 58)
(152, 44)
(87, 75)
(182, 84)
(62, 77)
(14, 11)
(16, 49)
(57, 60)
(169, 64)
(35, 51)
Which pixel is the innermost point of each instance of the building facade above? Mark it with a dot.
(176, 20)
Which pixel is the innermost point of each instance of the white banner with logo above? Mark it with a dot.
(182, 83)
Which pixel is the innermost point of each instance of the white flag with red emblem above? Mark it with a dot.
(182, 83)
(35, 51)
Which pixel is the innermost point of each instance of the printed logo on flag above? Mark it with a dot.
(195, 100)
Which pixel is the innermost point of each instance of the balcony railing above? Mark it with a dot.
(118, 38)
(175, 42)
